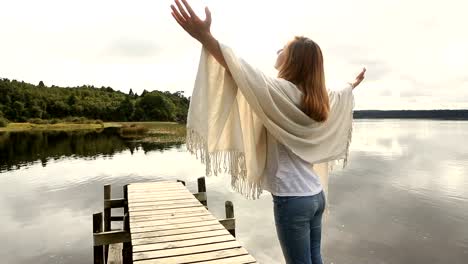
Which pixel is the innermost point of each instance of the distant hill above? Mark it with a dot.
(413, 114)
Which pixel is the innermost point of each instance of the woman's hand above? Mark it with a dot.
(199, 29)
(359, 78)
(191, 23)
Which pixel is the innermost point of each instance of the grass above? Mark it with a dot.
(17, 127)
(133, 130)
(154, 132)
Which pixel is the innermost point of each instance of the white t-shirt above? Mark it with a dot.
(286, 174)
(289, 175)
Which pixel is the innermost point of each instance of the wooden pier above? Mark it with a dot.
(164, 222)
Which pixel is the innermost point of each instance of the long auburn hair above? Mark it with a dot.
(303, 66)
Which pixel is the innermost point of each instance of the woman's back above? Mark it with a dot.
(289, 175)
(286, 173)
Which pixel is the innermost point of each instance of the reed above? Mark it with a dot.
(133, 129)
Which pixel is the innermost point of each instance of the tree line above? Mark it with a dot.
(445, 114)
(21, 101)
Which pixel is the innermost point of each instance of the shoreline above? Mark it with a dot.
(26, 126)
(20, 127)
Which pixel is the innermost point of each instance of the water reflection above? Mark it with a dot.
(19, 149)
(402, 199)
(404, 196)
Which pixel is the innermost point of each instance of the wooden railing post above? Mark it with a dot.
(98, 254)
(202, 188)
(107, 217)
(181, 182)
(229, 206)
(127, 251)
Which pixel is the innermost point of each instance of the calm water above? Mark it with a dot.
(402, 199)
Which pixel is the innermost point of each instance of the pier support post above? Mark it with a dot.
(98, 254)
(202, 188)
(229, 206)
(107, 217)
(127, 251)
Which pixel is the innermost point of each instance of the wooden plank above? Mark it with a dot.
(218, 254)
(115, 254)
(164, 207)
(152, 198)
(155, 185)
(185, 250)
(169, 224)
(110, 237)
(178, 231)
(184, 243)
(135, 201)
(154, 240)
(138, 201)
(170, 211)
(151, 192)
(171, 214)
(172, 221)
(156, 190)
(114, 203)
(158, 198)
(157, 182)
(153, 189)
(244, 259)
(173, 226)
(157, 202)
(117, 218)
(156, 194)
(158, 217)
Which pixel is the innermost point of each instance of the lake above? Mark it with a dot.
(402, 199)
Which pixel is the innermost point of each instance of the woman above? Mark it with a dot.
(297, 193)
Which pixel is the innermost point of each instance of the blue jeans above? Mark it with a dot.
(298, 221)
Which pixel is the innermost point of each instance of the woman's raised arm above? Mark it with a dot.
(359, 78)
(198, 29)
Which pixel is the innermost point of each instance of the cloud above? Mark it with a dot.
(409, 54)
(133, 48)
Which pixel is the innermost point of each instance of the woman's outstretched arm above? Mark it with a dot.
(198, 29)
(359, 78)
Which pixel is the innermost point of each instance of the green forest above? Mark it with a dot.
(25, 102)
(22, 102)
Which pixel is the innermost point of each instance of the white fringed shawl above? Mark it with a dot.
(232, 120)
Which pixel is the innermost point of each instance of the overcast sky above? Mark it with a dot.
(415, 50)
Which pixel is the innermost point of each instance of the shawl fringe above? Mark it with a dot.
(344, 161)
(227, 161)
